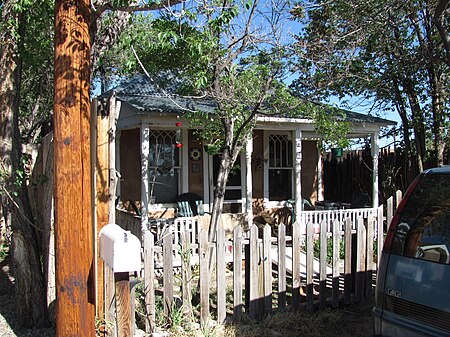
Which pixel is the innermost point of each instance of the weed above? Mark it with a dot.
(4, 251)
(329, 249)
(102, 327)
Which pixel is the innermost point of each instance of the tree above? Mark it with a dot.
(384, 51)
(233, 53)
(26, 93)
(25, 256)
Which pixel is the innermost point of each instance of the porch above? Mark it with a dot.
(159, 156)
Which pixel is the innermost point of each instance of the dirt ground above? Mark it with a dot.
(9, 324)
(354, 320)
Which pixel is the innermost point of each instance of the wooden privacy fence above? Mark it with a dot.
(332, 262)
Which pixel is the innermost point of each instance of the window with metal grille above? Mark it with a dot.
(280, 167)
(164, 166)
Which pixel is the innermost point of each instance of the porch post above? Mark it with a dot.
(248, 180)
(375, 148)
(145, 151)
(320, 195)
(298, 172)
(184, 154)
(296, 231)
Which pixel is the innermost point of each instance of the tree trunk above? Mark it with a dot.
(229, 155)
(418, 122)
(437, 106)
(26, 267)
(41, 196)
(401, 109)
(7, 66)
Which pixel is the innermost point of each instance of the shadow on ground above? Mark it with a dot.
(9, 323)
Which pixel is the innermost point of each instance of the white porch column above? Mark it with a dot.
(298, 172)
(375, 148)
(248, 180)
(145, 151)
(320, 193)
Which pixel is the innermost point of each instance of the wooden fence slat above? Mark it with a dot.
(282, 266)
(336, 263)
(186, 274)
(309, 266)
(110, 300)
(237, 273)
(360, 260)
(323, 265)
(398, 198)
(347, 261)
(254, 285)
(168, 273)
(371, 223)
(296, 263)
(220, 275)
(389, 210)
(204, 273)
(149, 286)
(267, 267)
(380, 233)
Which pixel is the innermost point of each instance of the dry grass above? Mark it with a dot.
(351, 321)
(355, 320)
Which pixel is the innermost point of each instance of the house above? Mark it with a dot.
(160, 158)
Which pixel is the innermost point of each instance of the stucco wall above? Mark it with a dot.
(130, 168)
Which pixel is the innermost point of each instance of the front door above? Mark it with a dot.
(233, 201)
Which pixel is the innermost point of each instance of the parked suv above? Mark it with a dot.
(413, 284)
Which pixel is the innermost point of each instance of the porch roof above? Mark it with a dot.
(145, 96)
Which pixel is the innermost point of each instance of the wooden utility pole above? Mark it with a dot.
(75, 308)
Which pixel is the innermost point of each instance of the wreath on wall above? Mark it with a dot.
(195, 154)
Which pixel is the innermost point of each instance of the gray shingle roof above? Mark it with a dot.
(145, 95)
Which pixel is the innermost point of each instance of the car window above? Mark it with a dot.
(423, 231)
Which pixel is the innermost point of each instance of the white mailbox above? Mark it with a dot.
(120, 249)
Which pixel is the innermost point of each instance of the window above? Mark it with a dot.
(423, 231)
(164, 166)
(280, 167)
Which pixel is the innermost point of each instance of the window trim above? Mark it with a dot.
(182, 167)
(290, 135)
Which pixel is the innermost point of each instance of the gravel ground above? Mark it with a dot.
(9, 326)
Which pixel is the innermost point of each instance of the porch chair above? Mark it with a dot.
(189, 205)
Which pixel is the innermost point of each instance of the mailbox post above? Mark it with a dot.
(121, 251)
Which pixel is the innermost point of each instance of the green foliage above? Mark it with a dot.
(102, 326)
(329, 249)
(331, 125)
(389, 56)
(4, 251)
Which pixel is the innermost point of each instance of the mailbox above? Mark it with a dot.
(120, 249)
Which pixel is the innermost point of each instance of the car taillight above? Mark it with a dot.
(394, 222)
